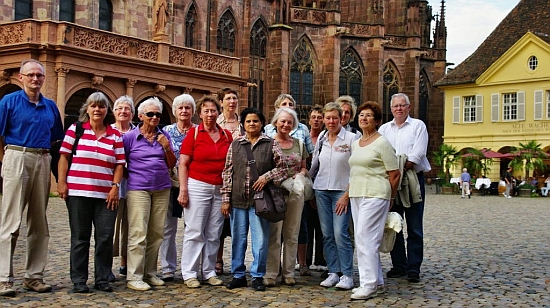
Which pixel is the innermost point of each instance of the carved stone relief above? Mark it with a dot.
(12, 34)
(213, 63)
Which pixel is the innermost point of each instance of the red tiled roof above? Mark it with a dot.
(528, 15)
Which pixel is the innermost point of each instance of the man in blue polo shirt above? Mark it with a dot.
(29, 123)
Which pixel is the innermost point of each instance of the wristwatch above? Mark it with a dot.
(116, 184)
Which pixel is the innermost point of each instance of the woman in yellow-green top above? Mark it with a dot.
(374, 177)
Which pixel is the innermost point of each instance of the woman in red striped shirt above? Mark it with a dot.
(90, 184)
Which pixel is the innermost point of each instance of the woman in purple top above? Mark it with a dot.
(149, 156)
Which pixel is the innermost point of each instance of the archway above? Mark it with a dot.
(166, 111)
(72, 109)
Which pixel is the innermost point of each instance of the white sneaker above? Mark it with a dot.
(380, 289)
(321, 268)
(154, 281)
(364, 293)
(297, 267)
(345, 283)
(509, 197)
(313, 267)
(331, 281)
(138, 285)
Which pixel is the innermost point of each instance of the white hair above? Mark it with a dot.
(152, 101)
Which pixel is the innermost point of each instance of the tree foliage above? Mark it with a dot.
(446, 157)
(529, 154)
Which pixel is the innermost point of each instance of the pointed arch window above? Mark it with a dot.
(66, 10)
(351, 76)
(23, 9)
(190, 24)
(391, 87)
(226, 33)
(258, 52)
(423, 97)
(301, 78)
(105, 15)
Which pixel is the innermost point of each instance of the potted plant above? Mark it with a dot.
(526, 190)
(529, 155)
(446, 157)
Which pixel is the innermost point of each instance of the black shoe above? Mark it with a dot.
(237, 283)
(105, 287)
(413, 277)
(469, 196)
(395, 273)
(258, 284)
(80, 288)
(122, 270)
(111, 277)
(324, 274)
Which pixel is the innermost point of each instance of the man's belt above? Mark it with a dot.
(29, 150)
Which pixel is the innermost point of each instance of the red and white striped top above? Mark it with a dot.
(92, 168)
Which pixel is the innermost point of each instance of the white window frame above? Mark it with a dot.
(513, 106)
(469, 109)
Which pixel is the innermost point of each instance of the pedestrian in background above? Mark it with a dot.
(465, 183)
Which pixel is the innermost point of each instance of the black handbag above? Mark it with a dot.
(269, 202)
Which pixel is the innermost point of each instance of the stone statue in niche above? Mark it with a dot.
(160, 16)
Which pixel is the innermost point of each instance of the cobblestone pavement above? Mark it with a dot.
(487, 251)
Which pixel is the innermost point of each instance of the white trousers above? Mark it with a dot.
(203, 227)
(369, 218)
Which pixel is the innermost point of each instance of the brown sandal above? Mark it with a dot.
(219, 267)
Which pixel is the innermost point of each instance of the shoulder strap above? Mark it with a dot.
(320, 140)
(196, 132)
(251, 162)
(79, 131)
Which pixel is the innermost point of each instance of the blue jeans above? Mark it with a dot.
(336, 239)
(411, 260)
(241, 219)
(83, 212)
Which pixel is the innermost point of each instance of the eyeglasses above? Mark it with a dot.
(151, 114)
(31, 75)
(400, 106)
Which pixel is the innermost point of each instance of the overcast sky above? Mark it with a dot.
(469, 22)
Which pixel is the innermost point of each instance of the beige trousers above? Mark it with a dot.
(146, 215)
(26, 182)
(289, 228)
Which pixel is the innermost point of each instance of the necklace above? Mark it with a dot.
(369, 136)
(183, 130)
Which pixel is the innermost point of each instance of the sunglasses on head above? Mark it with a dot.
(151, 114)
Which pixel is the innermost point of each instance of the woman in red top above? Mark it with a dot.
(202, 159)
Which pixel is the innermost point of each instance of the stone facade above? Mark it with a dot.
(265, 39)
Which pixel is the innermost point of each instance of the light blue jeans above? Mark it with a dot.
(241, 219)
(336, 239)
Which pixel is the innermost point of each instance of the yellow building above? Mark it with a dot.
(500, 95)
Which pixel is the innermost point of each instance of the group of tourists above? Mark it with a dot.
(133, 183)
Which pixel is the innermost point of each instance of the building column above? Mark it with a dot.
(130, 83)
(61, 97)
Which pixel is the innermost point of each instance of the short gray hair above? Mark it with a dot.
(403, 95)
(289, 111)
(152, 101)
(125, 99)
(181, 100)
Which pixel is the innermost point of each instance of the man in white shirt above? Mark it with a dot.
(408, 136)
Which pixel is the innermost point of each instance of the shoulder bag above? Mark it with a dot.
(268, 202)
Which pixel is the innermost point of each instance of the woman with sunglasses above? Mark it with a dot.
(149, 156)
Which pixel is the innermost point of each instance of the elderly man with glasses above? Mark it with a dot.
(29, 123)
(408, 136)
